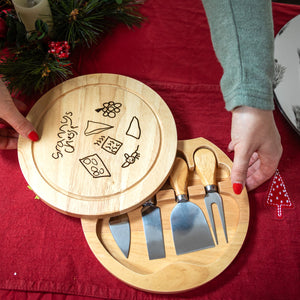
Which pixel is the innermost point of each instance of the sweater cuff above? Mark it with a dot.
(246, 97)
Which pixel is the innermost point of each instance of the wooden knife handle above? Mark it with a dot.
(206, 166)
(179, 176)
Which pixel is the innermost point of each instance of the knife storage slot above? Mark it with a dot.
(175, 273)
(138, 260)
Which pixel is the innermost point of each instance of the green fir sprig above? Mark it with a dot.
(85, 22)
(32, 67)
(31, 71)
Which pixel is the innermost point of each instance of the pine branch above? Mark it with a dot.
(38, 61)
(85, 22)
(31, 71)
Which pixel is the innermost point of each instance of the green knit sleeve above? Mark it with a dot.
(243, 39)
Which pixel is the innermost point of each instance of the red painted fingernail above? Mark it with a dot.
(237, 188)
(33, 136)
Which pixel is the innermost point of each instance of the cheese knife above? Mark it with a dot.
(153, 229)
(189, 226)
(206, 166)
(120, 229)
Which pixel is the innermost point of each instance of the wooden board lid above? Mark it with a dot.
(107, 143)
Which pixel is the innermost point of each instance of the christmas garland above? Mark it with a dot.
(40, 58)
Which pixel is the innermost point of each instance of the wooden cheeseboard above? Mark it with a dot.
(175, 273)
(107, 143)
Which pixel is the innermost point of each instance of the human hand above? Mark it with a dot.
(257, 147)
(10, 114)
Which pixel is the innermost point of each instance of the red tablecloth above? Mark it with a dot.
(44, 251)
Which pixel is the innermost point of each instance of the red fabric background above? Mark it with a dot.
(44, 251)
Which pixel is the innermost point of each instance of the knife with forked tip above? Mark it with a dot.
(206, 165)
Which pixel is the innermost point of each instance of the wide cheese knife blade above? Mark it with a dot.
(120, 229)
(189, 226)
(153, 229)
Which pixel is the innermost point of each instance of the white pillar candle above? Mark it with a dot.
(29, 11)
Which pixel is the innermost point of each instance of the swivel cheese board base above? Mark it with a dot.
(175, 273)
(107, 143)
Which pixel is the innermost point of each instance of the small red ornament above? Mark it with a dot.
(278, 195)
(59, 49)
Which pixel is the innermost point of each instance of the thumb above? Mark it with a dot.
(12, 115)
(20, 123)
(230, 147)
(239, 169)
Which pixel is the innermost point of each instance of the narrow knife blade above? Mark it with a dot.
(153, 231)
(120, 229)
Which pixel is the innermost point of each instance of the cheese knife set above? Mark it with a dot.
(151, 206)
(190, 229)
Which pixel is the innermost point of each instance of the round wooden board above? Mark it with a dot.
(175, 273)
(107, 143)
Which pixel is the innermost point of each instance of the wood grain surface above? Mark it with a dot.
(176, 273)
(205, 165)
(179, 177)
(107, 143)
